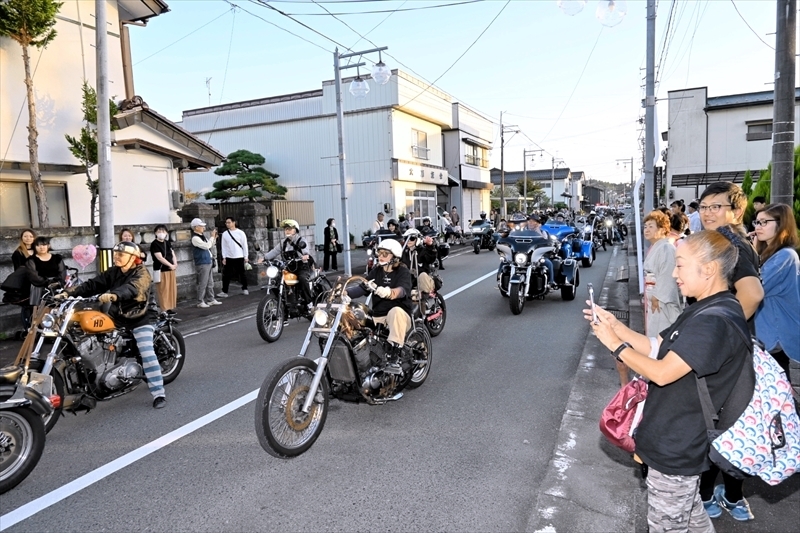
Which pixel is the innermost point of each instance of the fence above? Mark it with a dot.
(277, 210)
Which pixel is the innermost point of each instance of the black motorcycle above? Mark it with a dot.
(482, 236)
(522, 274)
(284, 299)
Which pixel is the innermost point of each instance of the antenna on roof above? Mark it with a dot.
(208, 86)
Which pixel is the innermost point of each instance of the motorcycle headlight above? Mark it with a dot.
(321, 317)
(48, 321)
(608, 223)
(369, 253)
(272, 271)
(520, 259)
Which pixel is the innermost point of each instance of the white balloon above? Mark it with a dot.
(571, 7)
(611, 12)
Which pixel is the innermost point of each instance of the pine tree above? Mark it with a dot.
(249, 179)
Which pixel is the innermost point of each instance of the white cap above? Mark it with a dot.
(198, 222)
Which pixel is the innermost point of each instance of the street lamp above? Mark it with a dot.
(625, 163)
(359, 89)
(525, 154)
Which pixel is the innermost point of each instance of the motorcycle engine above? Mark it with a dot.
(101, 355)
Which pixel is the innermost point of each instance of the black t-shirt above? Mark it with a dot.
(165, 249)
(672, 435)
(747, 264)
(400, 276)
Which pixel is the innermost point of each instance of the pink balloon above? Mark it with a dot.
(84, 254)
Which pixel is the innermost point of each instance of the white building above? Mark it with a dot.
(400, 147)
(562, 184)
(718, 138)
(149, 153)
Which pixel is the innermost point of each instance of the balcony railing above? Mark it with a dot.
(420, 152)
(477, 161)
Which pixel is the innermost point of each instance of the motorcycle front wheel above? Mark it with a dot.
(419, 341)
(436, 325)
(57, 389)
(269, 318)
(476, 248)
(22, 438)
(516, 296)
(167, 345)
(283, 429)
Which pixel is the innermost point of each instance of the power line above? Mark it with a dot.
(303, 24)
(398, 10)
(749, 26)
(185, 36)
(279, 27)
(378, 24)
(576, 84)
(224, 77)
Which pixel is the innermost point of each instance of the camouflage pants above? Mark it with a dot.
(674, 504)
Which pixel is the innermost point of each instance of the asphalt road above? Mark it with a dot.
(465, 452)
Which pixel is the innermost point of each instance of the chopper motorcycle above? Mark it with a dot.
(522, 274)
(431, 308)
(352, 366)
(90, 358)
(284, 298)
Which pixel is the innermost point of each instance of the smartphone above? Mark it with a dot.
(591, 299)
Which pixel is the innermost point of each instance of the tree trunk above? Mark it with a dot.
(33, 145)
(92, 185)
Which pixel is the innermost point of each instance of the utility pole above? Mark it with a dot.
(650, 105)
(628, 161)
(104, 139)
(781, 191)
(503, 130)
(553, 181)
(525, 154)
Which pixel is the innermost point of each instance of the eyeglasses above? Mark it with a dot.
(763, 222)
(714, 208)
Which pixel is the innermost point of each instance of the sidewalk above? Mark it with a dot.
(592, 486)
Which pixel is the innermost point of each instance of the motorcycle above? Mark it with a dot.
(431, 309)
(284, 299)
(22, 414)
(91, 359)
(573, 246)
(522, 274)
(370, 242)
(482, 236)
(353, 366)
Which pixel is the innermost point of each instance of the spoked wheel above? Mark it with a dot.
(170, 349)
(22, 438)
(56, 390)
(436, 325)
(322, 286)
(568, 292)
(283, 429)
(419, 342)
(269, 318)
(516, 298)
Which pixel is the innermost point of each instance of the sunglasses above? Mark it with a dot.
(383, 253)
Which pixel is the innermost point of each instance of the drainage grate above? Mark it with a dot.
(621, 315)
(622, 273)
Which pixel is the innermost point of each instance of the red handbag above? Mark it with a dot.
(623, 413)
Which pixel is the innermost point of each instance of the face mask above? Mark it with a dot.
(333, 224)
(161, 236)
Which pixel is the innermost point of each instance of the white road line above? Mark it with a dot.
(51, 498)
(248, 317)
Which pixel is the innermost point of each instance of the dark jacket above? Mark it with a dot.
(42, 273)
(132, 308)
(426, 256)
(330, 234)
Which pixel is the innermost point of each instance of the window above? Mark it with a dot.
(18, 204)
(759, 131)
(419, 144)
(422, 203)
(476, 155)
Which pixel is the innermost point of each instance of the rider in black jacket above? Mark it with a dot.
(127, 285)
(295, 247)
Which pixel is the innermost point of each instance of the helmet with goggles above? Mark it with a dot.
(391, 246)
(129, 248)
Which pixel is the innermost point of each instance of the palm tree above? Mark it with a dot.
(30, 23)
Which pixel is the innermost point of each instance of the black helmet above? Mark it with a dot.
(391, 222)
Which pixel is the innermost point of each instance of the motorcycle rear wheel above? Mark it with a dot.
(587, 262)
(476, 248)
(171, 366)
(51, 420)
(436, 326)
(22, 439)
(269, 318)
(422, 349)
(516, 298)
(282, 428)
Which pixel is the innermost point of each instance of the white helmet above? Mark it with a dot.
(411, 231)
(391, 246)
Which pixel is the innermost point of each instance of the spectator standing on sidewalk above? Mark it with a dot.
(778, 316)
(671, 438)
(234, 257)
(18, 259)
(455, 218)
(694, 217)
(126, 235)
(377, 225)
(412, 222)
(331, 245)
(663, 299)
(203, 263)
(722, 207)
(165, 263)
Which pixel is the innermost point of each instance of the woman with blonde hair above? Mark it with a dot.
(18, 259)
(709, 339)
(778, 315)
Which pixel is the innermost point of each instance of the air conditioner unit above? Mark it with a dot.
(177, 199)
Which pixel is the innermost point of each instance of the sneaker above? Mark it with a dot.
(214, 302)
(222, 295)
(202, 305)
(245, 292)
(159, 402)
(739, 511)
(712, 508)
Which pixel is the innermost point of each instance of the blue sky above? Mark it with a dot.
(528, 63)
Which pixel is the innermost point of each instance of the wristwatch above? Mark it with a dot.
(619, 349)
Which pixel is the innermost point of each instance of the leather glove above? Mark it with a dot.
(383, 292)
(61, 296)
(107, 297)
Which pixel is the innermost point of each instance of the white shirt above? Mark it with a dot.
(377, 226)
(694, 222)
(231, 250)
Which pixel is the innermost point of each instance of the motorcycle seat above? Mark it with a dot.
(10, 374)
